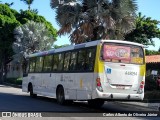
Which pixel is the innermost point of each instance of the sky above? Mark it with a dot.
(149, 8)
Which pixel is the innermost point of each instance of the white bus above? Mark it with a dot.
(94, 71)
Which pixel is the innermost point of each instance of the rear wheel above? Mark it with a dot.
(31, 91)
(96, 103)
(60, 95)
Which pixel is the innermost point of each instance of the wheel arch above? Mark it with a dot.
(58, 86)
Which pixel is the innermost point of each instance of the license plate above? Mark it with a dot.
(120, 87)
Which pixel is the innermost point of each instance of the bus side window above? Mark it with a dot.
(66, 61)
(81, 60)
(90, 59)
(60, 63)
(55, 62)
(39, 64)
(72, 66)
(47, 66)
(32, 64)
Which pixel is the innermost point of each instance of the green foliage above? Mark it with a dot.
(6, 37)
(27, 15)
(87, 20)
(9, 20)
(34, 11)
(15, 81)
(32, 37)
(28, 2)
(152, 52)
(5, 10)
(59, 46)
(146, 29)
(9, 4)
(15, 13)
(7, 24)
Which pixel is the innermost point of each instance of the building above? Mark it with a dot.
(14, 70)
(152, 64)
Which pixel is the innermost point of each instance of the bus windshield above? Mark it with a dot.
(122, 53)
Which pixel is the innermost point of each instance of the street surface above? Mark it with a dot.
(14, 100)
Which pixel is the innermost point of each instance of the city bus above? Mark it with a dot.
(96, 72)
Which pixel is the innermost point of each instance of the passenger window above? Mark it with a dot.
(81, 60)
(73, 61)
(55, 61)
(90, 59)
(60, 63)
(66, 61)
(47, 67)
(32, 64)
(39, 64)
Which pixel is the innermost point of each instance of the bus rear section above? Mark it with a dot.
(120, 72)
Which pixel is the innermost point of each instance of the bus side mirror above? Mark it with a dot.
(25, 74)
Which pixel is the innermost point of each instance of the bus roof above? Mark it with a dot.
(82, 45)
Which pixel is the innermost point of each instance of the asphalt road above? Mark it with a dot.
(14, 100)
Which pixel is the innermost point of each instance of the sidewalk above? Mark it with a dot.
(12, 85)
(155, 106)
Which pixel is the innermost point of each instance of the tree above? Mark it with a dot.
(7, 24)
(9, 4)
(152, 52)
(32, 37)
(59, 46)
(9, 20)
(87, 20)
(28, 2)
(25, 16)
(146, 29)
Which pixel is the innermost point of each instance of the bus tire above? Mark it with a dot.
(60, 95)
(96, 103)
(31, 91)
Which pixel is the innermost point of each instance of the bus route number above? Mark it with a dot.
(130, 73)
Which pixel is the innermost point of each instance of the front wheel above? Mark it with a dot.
(96, 103)
(60, 95)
